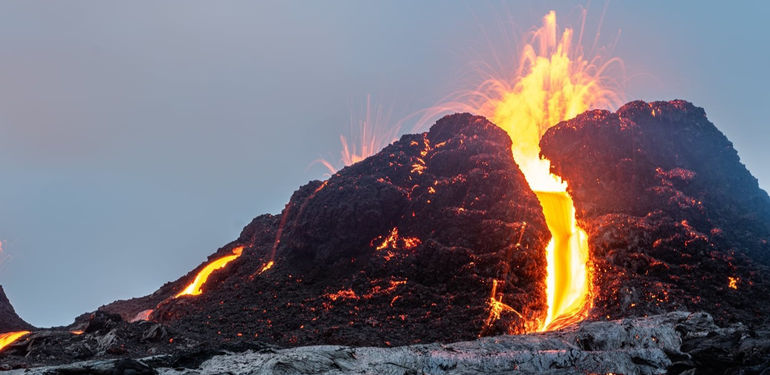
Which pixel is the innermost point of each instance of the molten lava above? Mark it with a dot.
(553, 83)
(393, 240)
(195, 286)
(11, 337)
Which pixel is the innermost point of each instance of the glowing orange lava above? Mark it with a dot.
(195, 286)
(143, 315)
(11, 337)
(266, 267)
(394, 240)
(553, 83)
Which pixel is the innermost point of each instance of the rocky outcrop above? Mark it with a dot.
(675, 220)
(674, 343)
(9, 320)
(403, 247)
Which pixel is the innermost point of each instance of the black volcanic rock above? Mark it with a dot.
(673, 216)
(9, 321)
(399, 248)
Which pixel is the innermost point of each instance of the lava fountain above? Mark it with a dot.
(371, 130)
(552, 83)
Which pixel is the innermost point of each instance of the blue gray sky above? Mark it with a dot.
(137, 137)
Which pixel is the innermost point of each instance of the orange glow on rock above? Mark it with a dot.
(394, 241)
(732, 282)
(390, 241)
(11, 337)
(266, 267)
(194, 288)
(342, 294)
(411, 242)
(77, 332)
(141, 316)
(497, 307)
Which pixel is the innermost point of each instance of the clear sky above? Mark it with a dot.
(137, 137)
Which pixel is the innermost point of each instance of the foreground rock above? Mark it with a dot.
(675, 220)
(403, 247)
(673, 343)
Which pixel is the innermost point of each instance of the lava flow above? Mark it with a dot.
(194, 288)
(553, 83)
(11, 337)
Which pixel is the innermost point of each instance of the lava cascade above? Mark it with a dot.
(553, 83)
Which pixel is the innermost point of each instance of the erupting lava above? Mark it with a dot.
(553, 83)
(374, 132)
(10, 337)
(195, 286)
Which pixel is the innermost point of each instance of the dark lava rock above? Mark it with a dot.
(399, 248)
(672, 343)
(9, 321)
(675, 220)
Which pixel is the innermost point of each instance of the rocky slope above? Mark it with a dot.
(675, 220)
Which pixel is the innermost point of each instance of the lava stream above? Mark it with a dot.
(568, 282)
(11, 337)
(194, 288)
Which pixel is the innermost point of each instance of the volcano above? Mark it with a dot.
(439, 238)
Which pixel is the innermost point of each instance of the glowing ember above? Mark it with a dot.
(732, 282)
(374, 134)
(553, 83)
(377, 290)
(497, 307)
(11, 337)
(342, 294)
(195, 286)
(393, 240)
(390, 241)
(266, 267)
(142, 316)
(77, 332)
(411, 242)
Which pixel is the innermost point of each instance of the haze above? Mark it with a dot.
(136, 138)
